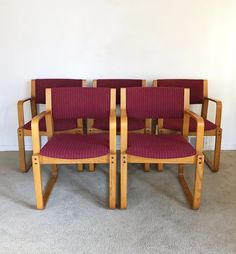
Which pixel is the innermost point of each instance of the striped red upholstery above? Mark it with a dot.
(195, 85)
(151, 102)
(159, 146)
(73, 146)
(133, 124)
(74, 102)
(177, 124)
(42, 84)
(119, 83)
(59, 125)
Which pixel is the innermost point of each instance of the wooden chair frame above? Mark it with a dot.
(147, 129)
(198, 159)
(23, 164)
(217, 133)
(38, 160)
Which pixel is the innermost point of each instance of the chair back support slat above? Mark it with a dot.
(118, 84)
(196, 87)
(75, 102)
(164, 102)
(40, 86)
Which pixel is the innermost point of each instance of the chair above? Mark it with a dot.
(66, 148)
(135, 125)
(198, 95)
(165, 103)
(38, 87)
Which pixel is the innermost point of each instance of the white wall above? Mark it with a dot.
(116, 39)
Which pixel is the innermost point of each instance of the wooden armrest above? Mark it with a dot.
(20, 110)
(200, 130)
(123, 130)
(218, 110)
(35, 131)
(112, 128)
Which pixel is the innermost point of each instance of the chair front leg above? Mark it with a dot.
(218, 139)
(42, 198)
(112, 182)
(80, 167)
(123, 181)
(22, 156)
(193, 199)
(160, 167)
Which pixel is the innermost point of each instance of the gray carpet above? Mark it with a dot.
(158, 218)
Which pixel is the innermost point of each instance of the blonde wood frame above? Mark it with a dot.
(38, 160)
(24, 166)
(91, 129)
(217, 133)
(198, 159)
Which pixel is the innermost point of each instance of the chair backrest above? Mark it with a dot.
(198, 87)
(118, 84)
(152, 102)
(38, 86)
(76, 102)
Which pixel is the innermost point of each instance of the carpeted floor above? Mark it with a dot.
(158, 218)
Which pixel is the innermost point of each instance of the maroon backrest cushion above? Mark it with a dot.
(195, 85)
(42, 84)
(152, 102)
(119, 83)
(75, 102)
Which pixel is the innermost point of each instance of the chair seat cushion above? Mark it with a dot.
(133, 124)
(59, 125)
(177, 125)
(159, 146)
(75, 146)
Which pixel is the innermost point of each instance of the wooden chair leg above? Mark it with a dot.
(80, 168)
(123, 182)
(218, 138)
(147, 167)
(112, 182)
(22, 156)
(193, 199)
(198, 182)
(214, 166)
(160, 167)
(42, 198)
(38, 182)
(91, 167)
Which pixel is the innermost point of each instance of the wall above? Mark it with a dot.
(116, 39)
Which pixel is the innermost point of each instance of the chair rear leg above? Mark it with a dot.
(22, 156)
(160, 167)
(38, 182)
(112, 182)
(91, 167)
(147, 167)
(218, 138)
(80, 168)
(123, 182)
(198, 182)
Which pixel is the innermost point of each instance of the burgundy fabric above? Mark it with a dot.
(177, 124)
(74, 146)
(119, 83)
(74, 102)
(42, 84)
(152, 102)
(195, 85)
(133, 124)
(159, 146)
(59, 125)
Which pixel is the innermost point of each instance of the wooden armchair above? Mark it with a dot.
(67, 148)
(165, 103)
(198, 95)
(135, 125)
(38, 87)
